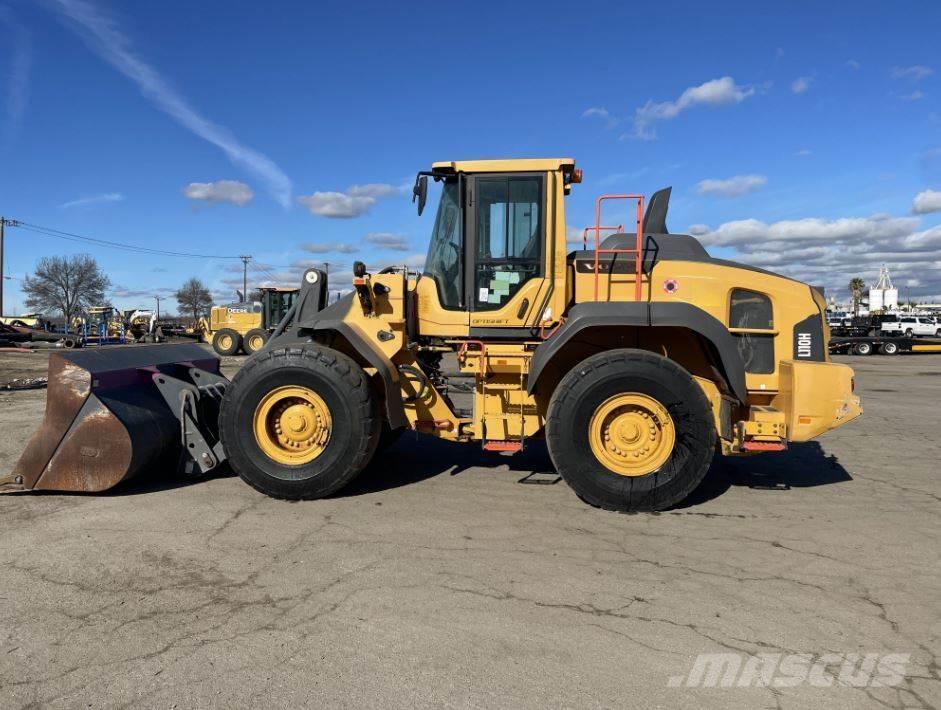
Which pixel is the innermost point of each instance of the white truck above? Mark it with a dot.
(910, 326)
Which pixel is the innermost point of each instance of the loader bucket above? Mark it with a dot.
(106, 419)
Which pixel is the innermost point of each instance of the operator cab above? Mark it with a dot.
(490, 247)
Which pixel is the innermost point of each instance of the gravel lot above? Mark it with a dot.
(442, 579)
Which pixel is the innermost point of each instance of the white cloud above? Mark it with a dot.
(602, 113)
(732, 187)
(801, 84)
(374, 190)
(717, 92)
(336, 205)
(912, 73)
(386, 240)
(926, 240)
(830, 252)
(852, 64)
(416, 261)
(927, 201)
(103, 35)
(914, 96)
(599, 111)
(232, 191)
(93, 200)
(573, 235)
(848, 230)
(330, 248)
(804, 152)
(355, 201)
(21, 61)
(126, 292)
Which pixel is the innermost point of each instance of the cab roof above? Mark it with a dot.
(505, 165)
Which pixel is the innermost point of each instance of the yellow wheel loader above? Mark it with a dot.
(637, 359)
(245, 327)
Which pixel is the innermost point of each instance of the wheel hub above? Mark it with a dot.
(632, 434)
(292, 425)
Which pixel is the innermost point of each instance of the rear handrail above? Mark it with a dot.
(637, 251)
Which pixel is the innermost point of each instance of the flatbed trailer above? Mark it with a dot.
(883, 344)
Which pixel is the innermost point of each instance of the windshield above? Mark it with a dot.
(443, 262)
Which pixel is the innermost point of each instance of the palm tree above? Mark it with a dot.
(856, 288)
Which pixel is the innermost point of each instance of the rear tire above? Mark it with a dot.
(226, 341)
(863, 348)
(254, 340)
(909, 333)
(587, 392)
(341, 395)
(890, 348)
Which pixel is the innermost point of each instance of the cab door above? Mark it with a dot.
(505, 250)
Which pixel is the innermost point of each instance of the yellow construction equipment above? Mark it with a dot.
(636, 358)
(245, 327)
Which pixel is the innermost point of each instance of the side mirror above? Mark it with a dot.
(359, 269)
(420, 192)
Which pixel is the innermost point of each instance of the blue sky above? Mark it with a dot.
(803, 137)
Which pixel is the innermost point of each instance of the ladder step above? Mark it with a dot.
(495, 445)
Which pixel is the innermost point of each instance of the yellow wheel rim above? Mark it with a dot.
(632, 434)
(255, 342)
(225, 342)
(292, 425)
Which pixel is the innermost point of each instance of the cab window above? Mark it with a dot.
(750, 313)
(508, 237)
(443, 262)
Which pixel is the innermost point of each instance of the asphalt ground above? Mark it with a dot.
(447, 576)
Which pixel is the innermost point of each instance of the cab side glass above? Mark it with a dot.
(752, 311)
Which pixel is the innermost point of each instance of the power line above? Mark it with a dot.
(70, 236)
(265, 271)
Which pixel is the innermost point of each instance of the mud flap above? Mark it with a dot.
(111, 413)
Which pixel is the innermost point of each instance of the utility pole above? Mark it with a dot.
(245, 260)
(158, 307)
(4, 222)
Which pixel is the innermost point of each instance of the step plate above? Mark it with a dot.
(503, 446)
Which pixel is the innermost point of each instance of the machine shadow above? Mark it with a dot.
(803, 465)
(415, 458)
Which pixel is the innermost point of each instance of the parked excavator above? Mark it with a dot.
(637, 360)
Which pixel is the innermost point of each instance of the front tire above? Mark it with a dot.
(863, 348)
(299, 423)
(630, 431)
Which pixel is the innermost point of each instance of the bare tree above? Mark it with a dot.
(194, 298)
(66, 285)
